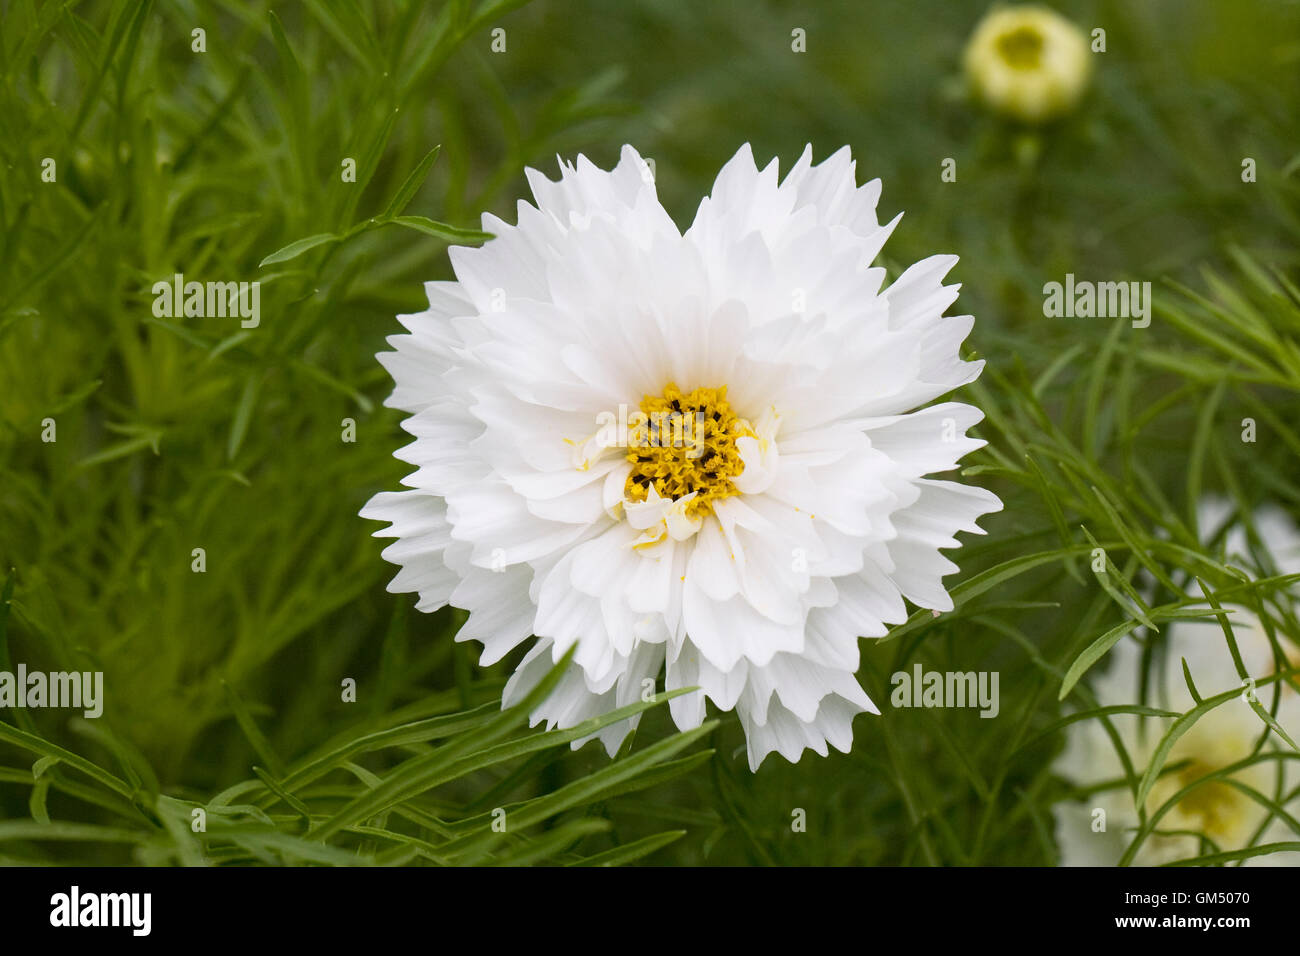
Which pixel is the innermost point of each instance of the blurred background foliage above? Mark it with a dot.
(176, 434)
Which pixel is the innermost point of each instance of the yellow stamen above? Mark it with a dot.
(1216, 803)
(686, 444)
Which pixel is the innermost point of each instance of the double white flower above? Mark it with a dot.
(748, 561)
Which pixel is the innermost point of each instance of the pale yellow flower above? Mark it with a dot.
(1028, 62)
(1213, 815)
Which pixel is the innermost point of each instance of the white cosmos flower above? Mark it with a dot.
(745, 546)
(1228, 816)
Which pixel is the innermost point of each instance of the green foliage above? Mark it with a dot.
(223, 686)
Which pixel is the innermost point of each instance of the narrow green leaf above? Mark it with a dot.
(631, 852)
(298, 247)
(243, 415)
(406, 192)
(1229, 856)
(441, 230)
(251, 731)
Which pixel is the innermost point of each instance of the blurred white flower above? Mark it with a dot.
(1224, 814)
(1028, 62)
(748, 554)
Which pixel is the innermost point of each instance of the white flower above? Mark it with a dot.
(696, 452)
(1228, 816)
(1028, 62)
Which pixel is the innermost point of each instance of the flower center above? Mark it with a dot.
(1021, 48)
(683, 443)
(1216, 803)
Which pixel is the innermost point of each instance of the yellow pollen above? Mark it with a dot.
(1021, 48)
(686, 443)
(1216, 803)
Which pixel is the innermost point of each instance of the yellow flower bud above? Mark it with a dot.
(1028, 62)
